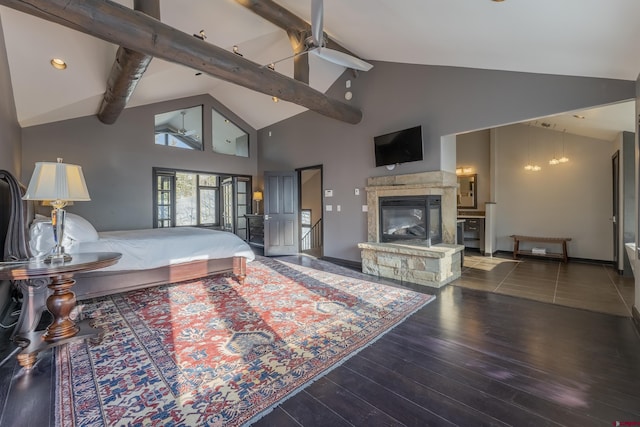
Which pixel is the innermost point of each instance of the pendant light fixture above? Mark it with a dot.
(530, 166)
(563, 159)
(554, 161)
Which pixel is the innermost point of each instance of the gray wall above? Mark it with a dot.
(444, 100)
(628, 184)
(117, 160)
(10, 134)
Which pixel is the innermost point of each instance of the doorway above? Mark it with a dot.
(311, 214)
(615, 169)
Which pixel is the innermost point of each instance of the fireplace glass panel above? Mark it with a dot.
(404, 222)
(411, 217)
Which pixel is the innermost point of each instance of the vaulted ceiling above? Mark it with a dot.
(570, 37)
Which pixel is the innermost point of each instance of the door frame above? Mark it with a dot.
(615, 214)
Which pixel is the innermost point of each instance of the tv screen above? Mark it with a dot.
(399, 147)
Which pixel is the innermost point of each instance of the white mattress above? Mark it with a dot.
(157, 247)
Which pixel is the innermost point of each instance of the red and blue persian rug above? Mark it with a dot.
(210, 352)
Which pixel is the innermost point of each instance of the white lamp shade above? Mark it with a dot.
(57, 181)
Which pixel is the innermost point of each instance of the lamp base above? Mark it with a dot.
(57, 258)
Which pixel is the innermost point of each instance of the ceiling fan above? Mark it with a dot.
(316, 43)
(182, 131)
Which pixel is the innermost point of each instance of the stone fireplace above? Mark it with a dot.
(411, 228)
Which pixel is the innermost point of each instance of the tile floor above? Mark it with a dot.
(591, 286)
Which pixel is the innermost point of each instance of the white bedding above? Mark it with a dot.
(151, 248)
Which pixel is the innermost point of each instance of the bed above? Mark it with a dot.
(149, 257)
(23, 235)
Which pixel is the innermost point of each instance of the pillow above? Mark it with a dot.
(79, 229)
(76, 229)
(41, 236)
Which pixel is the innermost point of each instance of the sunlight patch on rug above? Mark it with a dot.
(211, 352)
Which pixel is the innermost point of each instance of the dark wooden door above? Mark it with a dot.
(281, 213)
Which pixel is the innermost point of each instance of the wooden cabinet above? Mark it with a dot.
(474, 233)
(255, 230)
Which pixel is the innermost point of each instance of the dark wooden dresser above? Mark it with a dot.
(255, 230)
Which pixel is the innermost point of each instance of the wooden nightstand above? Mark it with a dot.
(255, 230)
(60, 303)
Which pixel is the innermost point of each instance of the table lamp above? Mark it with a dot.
(59, 183)
(257, 196)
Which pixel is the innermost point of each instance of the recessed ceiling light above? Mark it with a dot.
(58, 64)
(274, 99)
(578, 116)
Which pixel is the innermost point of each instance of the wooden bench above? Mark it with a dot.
(559, 240)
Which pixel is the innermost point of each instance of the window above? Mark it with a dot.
(196, 199)
(164, 196)
(227, 137)
(187, 198)
(180, 128)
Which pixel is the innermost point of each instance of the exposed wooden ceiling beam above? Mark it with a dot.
(297, 29)
(118, 24)
(277, 15)
(126, 71)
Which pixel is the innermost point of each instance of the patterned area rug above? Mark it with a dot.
(211, 352)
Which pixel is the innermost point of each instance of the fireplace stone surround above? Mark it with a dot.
(413, 260)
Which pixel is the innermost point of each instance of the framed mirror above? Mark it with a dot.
(180, 128)
(467, 191)
(227, 137)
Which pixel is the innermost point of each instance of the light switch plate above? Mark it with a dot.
(356, 191)
(365, 208)
(329, 208)
(338, 208)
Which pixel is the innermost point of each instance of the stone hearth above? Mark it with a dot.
(413, 261)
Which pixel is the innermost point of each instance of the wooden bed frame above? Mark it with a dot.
(15, 218)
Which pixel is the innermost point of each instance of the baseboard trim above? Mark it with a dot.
(635, 315)
(344, 262)
(572, 259)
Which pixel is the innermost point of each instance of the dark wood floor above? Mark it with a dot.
(469, 358)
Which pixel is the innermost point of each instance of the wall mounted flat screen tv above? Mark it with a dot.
(399, 147)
